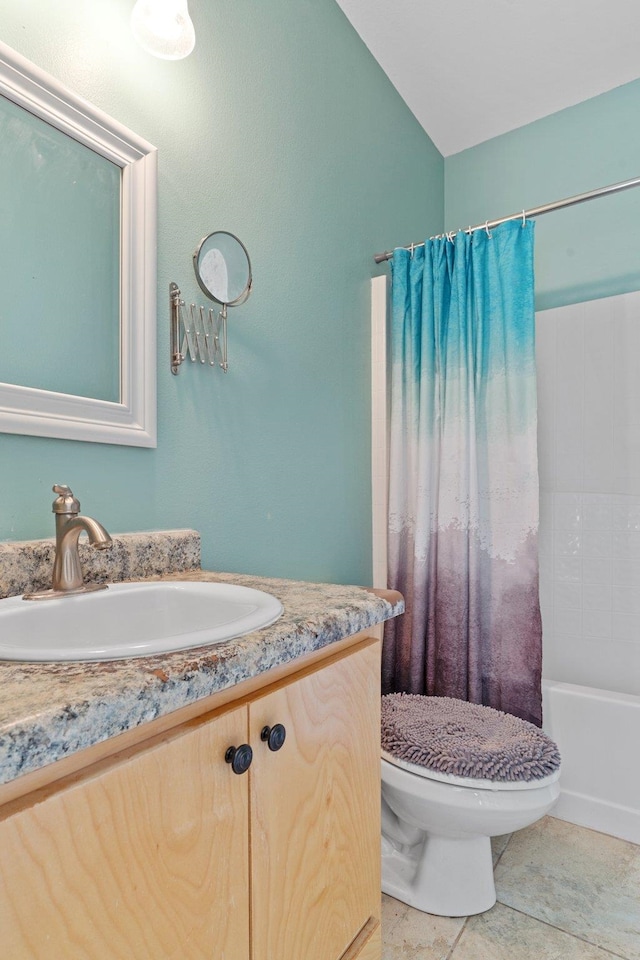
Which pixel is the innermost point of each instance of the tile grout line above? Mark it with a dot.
(466, 921)
(601, 833)
(502, 852)
(574, 936)
(457, 939)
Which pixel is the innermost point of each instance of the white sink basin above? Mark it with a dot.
(131, 620)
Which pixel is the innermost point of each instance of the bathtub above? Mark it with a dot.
(598, 733)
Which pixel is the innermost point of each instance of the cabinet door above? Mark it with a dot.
(315, 812)
(146, 859)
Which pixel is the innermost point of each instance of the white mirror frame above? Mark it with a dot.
(43, 413)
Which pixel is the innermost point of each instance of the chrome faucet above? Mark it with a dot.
(67, 572)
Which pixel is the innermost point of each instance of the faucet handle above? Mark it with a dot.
(65, 502)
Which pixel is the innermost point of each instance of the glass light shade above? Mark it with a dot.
(163, 28)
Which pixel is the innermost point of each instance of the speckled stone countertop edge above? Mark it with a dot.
(50, 711)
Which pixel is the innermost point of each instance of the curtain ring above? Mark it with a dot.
(523, 220)
(486, 226)
(411, 249)
(468, 230)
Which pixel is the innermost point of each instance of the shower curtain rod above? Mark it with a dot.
(535, 212)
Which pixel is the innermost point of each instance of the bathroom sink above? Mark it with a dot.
(132, 620)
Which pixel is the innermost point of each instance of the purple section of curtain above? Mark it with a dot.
(472, 631)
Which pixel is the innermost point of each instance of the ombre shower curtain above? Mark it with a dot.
(463, 495)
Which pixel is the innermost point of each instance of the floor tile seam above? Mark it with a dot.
(601, 833)
(502, 852)
(574, 936)
(457, 939)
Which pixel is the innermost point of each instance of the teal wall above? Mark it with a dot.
(281, 128)
(583, 252)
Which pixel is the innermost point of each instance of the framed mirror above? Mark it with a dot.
(223, 268)
(78, 249)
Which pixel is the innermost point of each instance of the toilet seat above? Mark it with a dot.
(459, 742)
(473, 783)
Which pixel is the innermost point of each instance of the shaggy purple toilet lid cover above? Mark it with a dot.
(465, 739)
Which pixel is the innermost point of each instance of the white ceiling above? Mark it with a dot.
(472, 69)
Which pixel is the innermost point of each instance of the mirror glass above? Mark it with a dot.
(223, 268)
(59, 213)
(78, 255)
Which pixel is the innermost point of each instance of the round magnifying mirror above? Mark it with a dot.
(223, 268)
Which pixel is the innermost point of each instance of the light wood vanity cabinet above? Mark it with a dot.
(163, 852)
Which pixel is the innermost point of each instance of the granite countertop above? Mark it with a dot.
(51, 710)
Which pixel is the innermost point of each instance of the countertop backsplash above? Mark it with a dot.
(26, 566)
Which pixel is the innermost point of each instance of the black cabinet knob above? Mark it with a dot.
(239, 757)
(274, 736)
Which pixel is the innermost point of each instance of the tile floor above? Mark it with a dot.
(564, 893)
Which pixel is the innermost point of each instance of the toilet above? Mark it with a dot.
(455, 774)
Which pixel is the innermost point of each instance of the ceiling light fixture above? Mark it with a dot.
(164, 28)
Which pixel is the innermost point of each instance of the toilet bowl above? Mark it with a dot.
(436, 830)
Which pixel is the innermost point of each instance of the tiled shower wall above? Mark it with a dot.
(589, 459)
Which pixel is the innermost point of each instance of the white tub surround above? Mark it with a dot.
(589, 447)
(598, 733)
